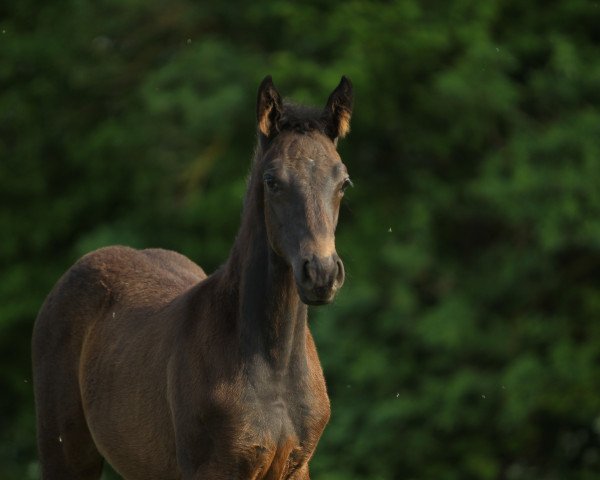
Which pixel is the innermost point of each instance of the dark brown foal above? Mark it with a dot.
(142, 360)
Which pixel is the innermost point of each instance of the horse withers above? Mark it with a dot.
(144, 361)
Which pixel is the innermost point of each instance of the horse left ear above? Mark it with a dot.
(339, 110)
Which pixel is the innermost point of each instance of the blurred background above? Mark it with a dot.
(465, 343)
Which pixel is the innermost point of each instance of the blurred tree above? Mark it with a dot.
(465, 343)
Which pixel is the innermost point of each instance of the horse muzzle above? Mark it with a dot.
(319, 278)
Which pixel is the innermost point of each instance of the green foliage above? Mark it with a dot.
(466, 342)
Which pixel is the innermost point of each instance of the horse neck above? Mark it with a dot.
(271, 319)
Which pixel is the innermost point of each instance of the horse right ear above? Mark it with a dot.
(339, 110)
(268, 108)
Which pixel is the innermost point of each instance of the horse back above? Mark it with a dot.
(149, 277)
(106, 277)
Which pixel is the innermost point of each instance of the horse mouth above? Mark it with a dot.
(316, 303)
(316, 298)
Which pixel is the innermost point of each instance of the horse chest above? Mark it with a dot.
(270, 431)
(281, 438)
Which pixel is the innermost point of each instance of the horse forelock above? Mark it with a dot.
(301, 119)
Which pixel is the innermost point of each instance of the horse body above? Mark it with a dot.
(142, 360)
(108, 351)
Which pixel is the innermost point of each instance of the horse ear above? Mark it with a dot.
(339, 110)
(268, 107)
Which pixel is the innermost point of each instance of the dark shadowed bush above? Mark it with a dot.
(466, 342)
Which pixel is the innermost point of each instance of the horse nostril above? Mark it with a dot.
(339, 277)
(306, 271)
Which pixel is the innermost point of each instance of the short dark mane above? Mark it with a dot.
(301, 118)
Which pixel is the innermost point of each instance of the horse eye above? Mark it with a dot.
(271, 182)
(347, 183)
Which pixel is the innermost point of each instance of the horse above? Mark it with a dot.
(143, 361)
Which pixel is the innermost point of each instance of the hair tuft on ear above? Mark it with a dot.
(338, 110)
(268, 108)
